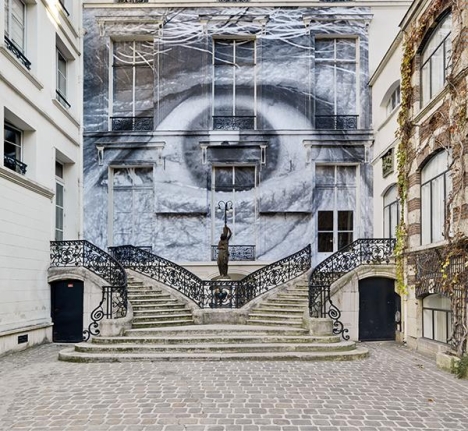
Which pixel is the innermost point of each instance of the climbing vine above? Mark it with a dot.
(450, 123)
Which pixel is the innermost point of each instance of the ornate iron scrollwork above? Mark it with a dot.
(17, 52)
(233, 123)
(85, 254)
(133, 124)
(213, 293)
(236, 252)
(360, 252)
(336, 122)
(14, 164)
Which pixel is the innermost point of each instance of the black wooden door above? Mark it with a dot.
(67, 311)
(378, 304)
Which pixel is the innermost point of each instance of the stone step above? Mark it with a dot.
(71, 355)
(292, 296)
(276, 322)
(257, 314)
(251, 338)
(266, 308)
(218, 329)
(288, 300)
(215, 347)
(148, 296)
(163, 316)
(157, 323)
(157, 306)
(162, 312)
(151, 301)
(143, 291)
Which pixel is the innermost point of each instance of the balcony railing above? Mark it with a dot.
(336, 122)
(17, 52)
(14, 164)
(61, 99)
(233, 122)
(133, 124)
(236, 252)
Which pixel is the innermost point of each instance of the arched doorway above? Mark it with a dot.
(67, 310)
(379, 309)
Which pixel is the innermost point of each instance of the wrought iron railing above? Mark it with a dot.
(61, 98)
(18, 52)
(233, 122)
(81, 253)
(14, 164)
(336, 122)
(371, 251)
(236, 252)
(133, 124)
(213, 293)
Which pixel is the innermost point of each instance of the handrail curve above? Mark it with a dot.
(360, 252)
(82, 253)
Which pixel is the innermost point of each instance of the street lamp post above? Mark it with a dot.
(227, 207)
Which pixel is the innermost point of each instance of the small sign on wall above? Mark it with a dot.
(387, 163)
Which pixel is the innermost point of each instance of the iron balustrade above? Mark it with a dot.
(336, 122)
(61, 99)
(236, 252)
(82, 253)
(133, 124)
(17, 52)
(213, 293)
(371, 251)
(14, 164)
(233, 122)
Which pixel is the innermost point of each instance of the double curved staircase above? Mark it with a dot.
(164, 329)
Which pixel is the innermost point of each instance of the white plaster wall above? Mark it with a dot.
(27, 202)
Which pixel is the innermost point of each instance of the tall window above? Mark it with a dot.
(133, 206)
(393, 101)
(13, 149)
(335, 84)
(435, 60)
(234, 84)
(435, 186)
(336, 197)
(62, 79)
(391, 212)
(437, 318)
(133, 85)
(15, 23)
(59, 206)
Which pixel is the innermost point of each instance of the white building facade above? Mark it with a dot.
(40, 158)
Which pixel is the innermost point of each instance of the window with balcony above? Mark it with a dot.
(336, 196)
(437, 318)
(234, 84)
(336, 84)
(132, 86)
(391, 212)
(13, 149)
(15, 29)
(435, 187)
(61, 90)
(435, 60)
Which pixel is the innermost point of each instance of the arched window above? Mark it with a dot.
(435, 60)
(391, 212)
(435, 186)
(437, 318)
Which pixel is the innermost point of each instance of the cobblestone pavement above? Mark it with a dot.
(395, 389)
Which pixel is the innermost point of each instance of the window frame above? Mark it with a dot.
(61, 92)
(16, 164)
(388, 225)
(335, 62)
(446, 62)
(393, 101)
(59, 183)
(430, 216)
(9, 18)
(433, 310)
(235, 41)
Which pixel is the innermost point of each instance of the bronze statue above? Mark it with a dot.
(223, 251)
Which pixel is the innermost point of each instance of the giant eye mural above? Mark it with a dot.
(235, 104)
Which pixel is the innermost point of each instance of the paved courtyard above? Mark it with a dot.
(395, 389)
